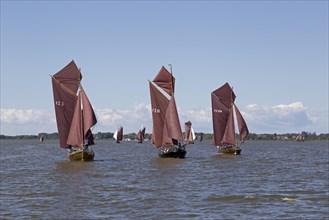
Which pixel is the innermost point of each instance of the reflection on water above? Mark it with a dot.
(269, 180)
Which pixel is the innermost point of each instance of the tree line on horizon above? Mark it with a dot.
(308, 136)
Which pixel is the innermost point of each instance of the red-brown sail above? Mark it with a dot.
(229, 134)
(159, 105)
(75, 137)
(225, 94)
(69, 76)
(89, 117)
(65, 84)
(188, 136)
(243, 129)
(219, 118)
(120, 134)
(165, 81)
(172, 131)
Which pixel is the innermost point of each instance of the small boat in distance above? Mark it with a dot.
(41, 138)
(118, 135)
(167, 134)
(223, 118)
(75, 116)
(300, 138)
(140, 135)
(189, 133)
(201, 137)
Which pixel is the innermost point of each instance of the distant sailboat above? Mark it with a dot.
(118, 135)
(201, 137)
(166, 133)
(223, 108)
(74, 114)
(300, 138)
(140, 135)
(189, 133)
(41, 138)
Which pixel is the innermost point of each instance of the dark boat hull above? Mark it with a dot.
(177, 153)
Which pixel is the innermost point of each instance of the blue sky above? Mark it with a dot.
(273, 53)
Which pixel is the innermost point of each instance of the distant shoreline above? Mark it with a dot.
(307, 136)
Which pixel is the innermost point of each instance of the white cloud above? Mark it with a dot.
(130, 119)
(282, 118)
(26, 121)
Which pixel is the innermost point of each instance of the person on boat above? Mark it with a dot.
(69, 148)
(86, 144)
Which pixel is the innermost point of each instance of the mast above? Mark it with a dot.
(81, 114)
(172, 79)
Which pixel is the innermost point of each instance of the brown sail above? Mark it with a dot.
(229, 134)
(120, 134)
(220, 115)
(75, 137)
(243, 129)
(188, 135)
(89, 117)
(172, 132)
(223, 109)
(226, 95)
(159, 105)
(165, 81)
(70, 76)
(65, 84)
(83, 120)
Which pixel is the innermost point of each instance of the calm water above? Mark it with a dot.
(270, 180)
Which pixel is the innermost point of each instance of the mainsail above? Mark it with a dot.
(223, 108)
(74, 114)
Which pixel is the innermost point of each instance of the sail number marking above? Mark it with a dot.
(156, 110)
(59, 103)
(217, 110)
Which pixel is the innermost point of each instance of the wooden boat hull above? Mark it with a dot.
(178, 153)
(233, 150)
(81, 155)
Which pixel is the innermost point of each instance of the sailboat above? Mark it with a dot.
(75, 116)
(118, 134)
(167, 134)
(201, 137)
(41, 138)
(140, 135)
(189, 133)
(300, 138)
(223, 117)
